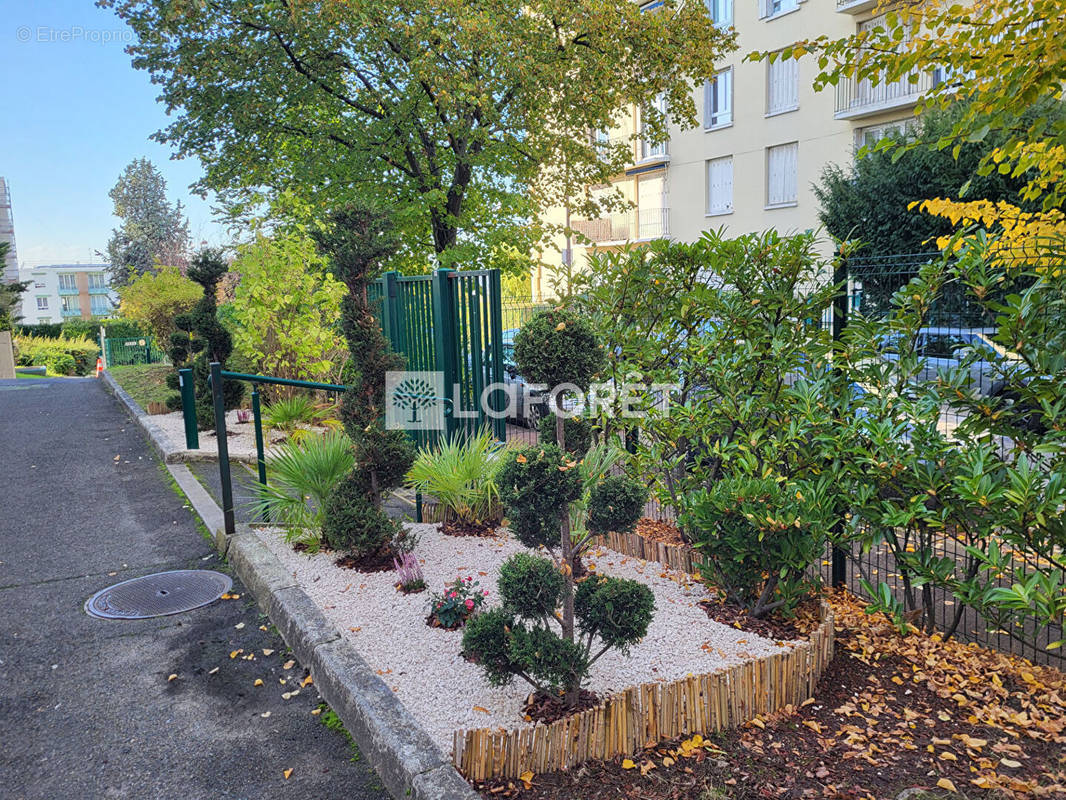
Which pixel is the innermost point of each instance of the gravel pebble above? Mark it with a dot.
(442, 690)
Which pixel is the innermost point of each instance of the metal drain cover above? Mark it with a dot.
(159, 595)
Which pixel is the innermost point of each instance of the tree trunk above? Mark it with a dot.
(565, 545)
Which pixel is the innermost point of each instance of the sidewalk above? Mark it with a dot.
(88, 710)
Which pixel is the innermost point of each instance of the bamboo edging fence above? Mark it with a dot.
(644, 715)
(679, 557)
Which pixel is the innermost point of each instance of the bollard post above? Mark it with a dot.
(223, 447)
(188, 408)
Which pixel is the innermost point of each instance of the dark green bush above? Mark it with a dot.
(536, 484)
(486, 637)
(616, 503)
(200, 339)
(557, 347)
(618, 611)
(553, 663)
(577, 433)
(357, 242)
(758, 539)
(530, 586)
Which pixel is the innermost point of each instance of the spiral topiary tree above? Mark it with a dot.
(358, 241)
(538, 486)
(200, 339)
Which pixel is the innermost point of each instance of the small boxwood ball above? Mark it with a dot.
(557, 347)
(487, 639)
(536, 486)
(530, 586)
(615, 609)
(616, 504)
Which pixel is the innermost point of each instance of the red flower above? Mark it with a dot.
(469, 604)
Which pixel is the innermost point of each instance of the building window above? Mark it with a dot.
(774, 8)
(70, 304)
(721, 12)
(718, 100)
(720, 186)
(648, 148)
(100, 305)
(97, 280)
(871, 135)
(42, 303)
(782, 85)
(781, 168)
(68, 283)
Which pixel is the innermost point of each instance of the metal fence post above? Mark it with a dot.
(444, 339)
(495, 299)
(390, 317)
(839, 574)
(188, 408)
(260, 454)
(223, 447)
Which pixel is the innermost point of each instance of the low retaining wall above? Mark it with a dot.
(652, 712)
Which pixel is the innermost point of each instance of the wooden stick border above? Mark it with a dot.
(644, 715)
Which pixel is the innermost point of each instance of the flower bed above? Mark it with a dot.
(447, 694)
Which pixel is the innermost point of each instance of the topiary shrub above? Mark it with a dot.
(357, 242)
(615, 504)
(526, 639)
(553, 501)
(536, 484)
(577, 432)
(200, 339)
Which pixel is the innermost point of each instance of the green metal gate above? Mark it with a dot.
(132, 350)
(450, 322)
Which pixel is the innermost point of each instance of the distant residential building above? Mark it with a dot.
(7, 234)
(67, 291)
(765, 137)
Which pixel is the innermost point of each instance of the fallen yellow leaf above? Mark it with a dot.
(627, 763)
(944, 783)
(527, 779)
(258, 682)
(288, 664)
(172, 676)
(287, 773)
(307, 681)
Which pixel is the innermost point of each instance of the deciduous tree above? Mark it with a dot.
(444, 110)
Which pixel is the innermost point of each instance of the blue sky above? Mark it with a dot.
(73, 113)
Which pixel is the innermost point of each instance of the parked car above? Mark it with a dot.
(530, 406)
(942, 348)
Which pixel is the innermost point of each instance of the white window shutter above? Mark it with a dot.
(720, 185)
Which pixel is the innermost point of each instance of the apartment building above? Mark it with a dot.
(763, 140)
(65, 291)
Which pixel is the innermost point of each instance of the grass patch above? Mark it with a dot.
(329, 718)
(145, 383)
(24, 376)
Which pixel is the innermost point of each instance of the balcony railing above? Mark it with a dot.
(855, 6)
(70, 312)
(65, 290)
(627, 227)
(862, 98)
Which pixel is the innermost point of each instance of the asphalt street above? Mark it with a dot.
(89, 707)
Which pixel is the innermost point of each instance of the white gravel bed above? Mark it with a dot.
(444, 692)
(240, 436)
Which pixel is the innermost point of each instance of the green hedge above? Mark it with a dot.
(61, 356)
(116, 328)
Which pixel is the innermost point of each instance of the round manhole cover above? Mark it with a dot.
(159, 595)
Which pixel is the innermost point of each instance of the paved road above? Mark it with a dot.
(86, 708)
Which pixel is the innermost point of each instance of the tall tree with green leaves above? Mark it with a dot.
(10, 296)
(152, 231)
(445, 111)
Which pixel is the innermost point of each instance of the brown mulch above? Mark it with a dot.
(660, 531)
(804, 620)
(469, 528)
(377, 562)
(890, 713)
(541, 707)
(432, 622)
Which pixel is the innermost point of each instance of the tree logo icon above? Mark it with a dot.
(414, 400)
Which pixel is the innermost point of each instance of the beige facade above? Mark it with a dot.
(764, 136)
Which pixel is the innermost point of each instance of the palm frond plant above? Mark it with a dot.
(461, 475)
(599, 462)
(301, 475)
(289, 414)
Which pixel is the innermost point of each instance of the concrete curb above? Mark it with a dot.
(409, 763)
(167, 452)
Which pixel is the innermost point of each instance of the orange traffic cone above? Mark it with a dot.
(99, 366)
